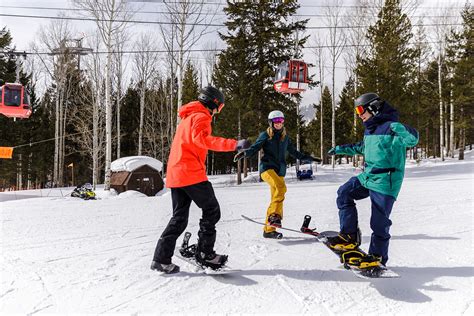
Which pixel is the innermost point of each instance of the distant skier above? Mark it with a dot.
(186, 176)
(384, 148)
(275, 144)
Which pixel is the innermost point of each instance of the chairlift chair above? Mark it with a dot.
(14, 101)
(305, 174)
(291, 77)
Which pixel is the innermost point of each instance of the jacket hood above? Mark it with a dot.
(192, 107)
(386, 114)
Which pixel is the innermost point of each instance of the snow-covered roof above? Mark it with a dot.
(133, 162)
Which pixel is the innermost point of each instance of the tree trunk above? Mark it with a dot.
(142, 112)
(108, 116)
(441, 116)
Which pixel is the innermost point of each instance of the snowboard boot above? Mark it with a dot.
(211, 260)
(344, 241)
(273, 234)
(274, 220)
(362, 262)
(166, 268)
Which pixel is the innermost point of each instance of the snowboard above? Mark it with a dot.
(186, 254)
(343, 255)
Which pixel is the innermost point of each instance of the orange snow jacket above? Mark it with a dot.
(186, 163)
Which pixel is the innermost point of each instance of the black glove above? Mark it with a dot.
(239, 156)
(315, 159)
(242, 144)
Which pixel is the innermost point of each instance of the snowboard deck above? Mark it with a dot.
(365, 273)
(205, 270)
(186, 253)
(320, 236)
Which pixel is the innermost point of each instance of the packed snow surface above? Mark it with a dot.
(65, 255)
(133, 162)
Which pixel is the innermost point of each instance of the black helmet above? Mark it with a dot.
(370, 102)
(211, 97)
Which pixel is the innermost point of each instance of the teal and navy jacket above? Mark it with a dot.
(274, 152)
(384, 148)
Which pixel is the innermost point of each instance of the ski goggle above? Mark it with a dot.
(219, 105)
(360, 110)
(278, 120)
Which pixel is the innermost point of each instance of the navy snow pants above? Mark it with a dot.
(379, 221)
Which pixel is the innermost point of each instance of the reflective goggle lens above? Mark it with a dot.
(278, 120)
(220, 107)
(359, 110)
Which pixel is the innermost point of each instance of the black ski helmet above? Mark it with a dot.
(211, 97)
(370, 102)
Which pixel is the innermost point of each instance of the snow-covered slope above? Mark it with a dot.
(64, 255)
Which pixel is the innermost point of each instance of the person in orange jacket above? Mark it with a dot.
(186, 176)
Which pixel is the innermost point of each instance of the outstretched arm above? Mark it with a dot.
(408, 135)
(252, 150)
(348, 149)
(295, 153)
(202, 137)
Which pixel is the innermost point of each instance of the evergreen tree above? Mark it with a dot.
(259, 38)
(28, 161)
(312, 132)
(345, 117)
(463, 84)
(190, 84)
(130, 110)
(388, 68)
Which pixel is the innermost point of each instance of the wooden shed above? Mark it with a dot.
(142, 178)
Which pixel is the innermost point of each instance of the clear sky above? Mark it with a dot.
(24, 30)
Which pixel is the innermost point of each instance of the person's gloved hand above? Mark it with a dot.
(398, 128)
(316, 159)
(239, 156)
(332, 151)
(242, 144)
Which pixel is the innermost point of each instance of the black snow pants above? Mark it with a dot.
(203, 195)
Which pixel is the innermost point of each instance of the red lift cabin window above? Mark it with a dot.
(14, 101)
(291, 77)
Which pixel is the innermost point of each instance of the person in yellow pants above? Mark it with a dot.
(275, 144)
(277, 193)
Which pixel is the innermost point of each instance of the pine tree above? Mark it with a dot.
(312, 132)
(345, 116)
(388, 67)
(463, 83)
(28, 161)
(190, 83)
(259, 38)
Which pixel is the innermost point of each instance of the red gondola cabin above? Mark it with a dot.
(14, 101)
(291, 77)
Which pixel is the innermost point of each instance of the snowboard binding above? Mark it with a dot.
(186, 250)
(305, 226)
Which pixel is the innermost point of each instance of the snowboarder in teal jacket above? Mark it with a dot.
(384, 148)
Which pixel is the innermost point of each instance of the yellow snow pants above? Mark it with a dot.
(277, 191)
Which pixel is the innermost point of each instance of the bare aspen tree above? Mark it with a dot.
(53, 39)
(187, 25)
(120, 65)
(336, 42)
(440, 39)
(111, 17)
(210, 60)
(144, 65)
(319, 55)
(94, 66)
(356, 40)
